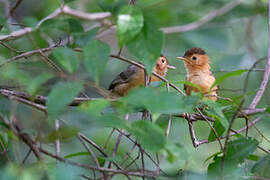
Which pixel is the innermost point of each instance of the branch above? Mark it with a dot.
(17, 130)
(14, 7)
(39, 103)
(86, 16)
(30, 53)
(205, 19)
(235, 132)
(56, 13)
(148, 174)
(260, 92)
(213, 129)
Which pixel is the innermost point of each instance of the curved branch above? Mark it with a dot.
(56, 13)
(264, 82)
(205, 19)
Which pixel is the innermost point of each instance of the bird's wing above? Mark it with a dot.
(124, 76)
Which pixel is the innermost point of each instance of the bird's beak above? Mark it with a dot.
(182, 58)
(170, 67)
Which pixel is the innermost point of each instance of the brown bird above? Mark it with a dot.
(198, 72)
(134, 76)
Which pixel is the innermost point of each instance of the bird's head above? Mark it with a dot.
(162, 65)
(196, 59)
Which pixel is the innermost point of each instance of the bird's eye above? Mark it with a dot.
(194, 58)
(163, 61)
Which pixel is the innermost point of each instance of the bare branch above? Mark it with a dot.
(15, 7)
(86, 16)
(194, 140)
(213, 129)
(56, 13)
(264, 82)
(235, 132)
(205, 19)
(148, 174)
(29, 53)
(89, 150)
(39, 103)
(16, 129)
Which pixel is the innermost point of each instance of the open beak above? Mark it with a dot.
(170, 67)
(182, 58)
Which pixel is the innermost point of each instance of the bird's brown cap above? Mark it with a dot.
(194, 50)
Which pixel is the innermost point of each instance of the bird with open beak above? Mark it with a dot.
(197, 64)
(134, 76)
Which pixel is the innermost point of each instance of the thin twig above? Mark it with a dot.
(24, 137)
(92, 154)
(213, 129)
(29, 53)
(26, 156)
(98, 148)
(15, 7)
(148, 174)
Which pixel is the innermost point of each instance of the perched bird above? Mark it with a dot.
(198, 72)
(134, 76)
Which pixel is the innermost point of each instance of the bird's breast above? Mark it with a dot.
(203, 80)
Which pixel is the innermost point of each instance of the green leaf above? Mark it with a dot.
(30, 21)
(158, 102)
(112, 6)
(2, 22)
(33, 86)
(190, 84)
(96, 56)
(267, 110)
(84, 38)
(147, 46)
(215, 110)
(176, 151)
(60, 96)
(67, 58)
(212, 156)
(111, 120)
(60, 24)
(262, 167)
(219, 129)
(63, 134)
(95, 107)
(68, 1)
(129, 24)
(253, 157)
(237, 151)
(77, 154)
(155, 141)
(74, 26)
(227, 75)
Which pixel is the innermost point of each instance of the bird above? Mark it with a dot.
(198, 69)
(134, 77)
